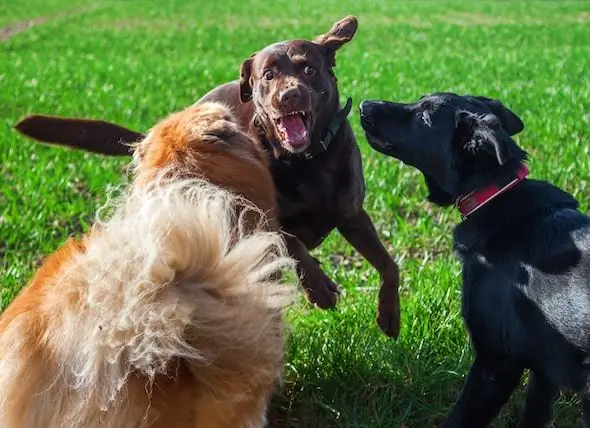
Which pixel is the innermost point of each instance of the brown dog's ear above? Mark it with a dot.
(95, 136)
(342, 32)
(245, 83)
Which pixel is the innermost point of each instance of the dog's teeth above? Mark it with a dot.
(296, 113)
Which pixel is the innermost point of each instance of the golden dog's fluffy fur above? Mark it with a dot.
(166, 314)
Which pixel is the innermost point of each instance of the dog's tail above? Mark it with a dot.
(95, 136)
(174, 277)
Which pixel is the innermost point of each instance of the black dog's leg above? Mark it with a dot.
(360, 232)
(489, 385)
(586, 405)
(540, 397)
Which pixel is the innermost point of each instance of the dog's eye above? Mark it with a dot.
(309, 70)
(268, 75)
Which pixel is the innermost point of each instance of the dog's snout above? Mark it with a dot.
(367, 107)
(290, 97)
(368, 111)
(372, 108)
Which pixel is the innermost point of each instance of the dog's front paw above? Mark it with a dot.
(388, 313)
(321, 290)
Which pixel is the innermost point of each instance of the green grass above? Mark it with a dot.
(133, 62)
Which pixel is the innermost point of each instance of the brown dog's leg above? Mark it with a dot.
(319, 289)
(360, 232)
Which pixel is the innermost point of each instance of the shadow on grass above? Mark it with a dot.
(377, 384)
(388, 403)
(342, 372)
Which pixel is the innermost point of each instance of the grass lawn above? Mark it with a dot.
(133, 62)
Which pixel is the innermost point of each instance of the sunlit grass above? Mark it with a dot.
(133, 62)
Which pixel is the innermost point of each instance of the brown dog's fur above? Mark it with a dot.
(315, 196)
(168, 314)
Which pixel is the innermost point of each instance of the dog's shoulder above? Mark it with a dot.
(559, 253)
(559, 228)
(229, 94)
(45, 278)
(228, 91)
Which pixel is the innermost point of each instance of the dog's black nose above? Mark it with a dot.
(290, 97)
(363, 107)
(367, 114)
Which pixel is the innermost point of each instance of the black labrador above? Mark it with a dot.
(524, 245)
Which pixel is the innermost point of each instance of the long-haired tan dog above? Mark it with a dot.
(168, 313)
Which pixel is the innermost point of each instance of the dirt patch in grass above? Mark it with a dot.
(474, 19)
(12, 29)
(580, 18)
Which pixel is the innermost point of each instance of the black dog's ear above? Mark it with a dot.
(341, 33)
(511, 123)
(483, 134)
(245, 83)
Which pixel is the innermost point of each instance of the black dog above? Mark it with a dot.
(524, 245)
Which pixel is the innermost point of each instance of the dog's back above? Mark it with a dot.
(555, 276)
(168, 314)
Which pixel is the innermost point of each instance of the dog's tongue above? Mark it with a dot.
(293, 129)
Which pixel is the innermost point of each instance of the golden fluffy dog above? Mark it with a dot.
(168, 313)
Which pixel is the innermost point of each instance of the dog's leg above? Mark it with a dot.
(586, 411)
(586, 405)
(360, 232)
(221, 413)
(489, 385)
(540, 397)
(318, 288)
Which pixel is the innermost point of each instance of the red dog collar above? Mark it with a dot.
(471, 202)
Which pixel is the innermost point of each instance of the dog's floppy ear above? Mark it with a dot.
(511, 123)
(341, 32)
(245, 82)
(95, 136)
(482, 134)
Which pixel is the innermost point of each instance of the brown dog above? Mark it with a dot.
(169, 313)
(287, 98)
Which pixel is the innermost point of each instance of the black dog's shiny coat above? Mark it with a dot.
(525, 254)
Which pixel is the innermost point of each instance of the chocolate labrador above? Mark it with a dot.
(287, 97)
(524, 245)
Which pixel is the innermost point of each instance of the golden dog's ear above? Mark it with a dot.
(245, 80)
(95, 136)
(341, 33)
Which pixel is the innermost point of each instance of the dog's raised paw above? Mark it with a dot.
(322, 292)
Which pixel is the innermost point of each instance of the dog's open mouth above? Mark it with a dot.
(292, 130)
